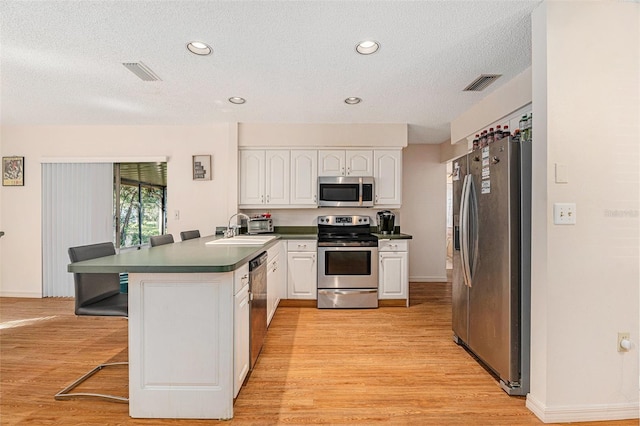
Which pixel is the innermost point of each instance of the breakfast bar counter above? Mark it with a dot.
(183, 324)
(189, 256)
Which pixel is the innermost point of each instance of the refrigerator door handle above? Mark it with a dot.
(464, 230)
(472, 248)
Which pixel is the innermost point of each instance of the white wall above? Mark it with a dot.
(500, 103)
(424, 208)
(322, 134)
(585, 277)
(202, 204)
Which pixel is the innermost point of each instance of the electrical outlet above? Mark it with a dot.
(623, 336)
(564, 213)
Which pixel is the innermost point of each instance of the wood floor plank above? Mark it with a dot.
(391, 366)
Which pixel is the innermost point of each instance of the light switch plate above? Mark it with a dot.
(562, 173)
(564, 213)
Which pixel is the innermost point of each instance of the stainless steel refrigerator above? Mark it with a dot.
(492, 259)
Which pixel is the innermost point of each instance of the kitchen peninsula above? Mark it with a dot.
(181, 325)
(189, 319)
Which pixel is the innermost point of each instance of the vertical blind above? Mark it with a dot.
(77, 209)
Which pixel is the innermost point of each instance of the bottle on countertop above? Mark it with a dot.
(523, 126)
(476, 142)
(483, 139)
(516, 135)
(505, 131)
(490, 136)
(498, 133)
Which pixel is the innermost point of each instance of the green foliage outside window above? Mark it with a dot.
(142, 213)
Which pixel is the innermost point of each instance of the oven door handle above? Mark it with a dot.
(345, 292)
(324, 249)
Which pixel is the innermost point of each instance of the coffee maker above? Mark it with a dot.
(386, 222)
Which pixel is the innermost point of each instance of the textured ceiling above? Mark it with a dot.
(294, 62)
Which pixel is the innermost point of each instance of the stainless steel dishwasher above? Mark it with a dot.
(258, 301)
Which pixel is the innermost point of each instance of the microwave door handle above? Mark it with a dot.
(360, 189)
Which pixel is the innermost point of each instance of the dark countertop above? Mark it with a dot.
(398, 236)
(194, 255)
(189, 256)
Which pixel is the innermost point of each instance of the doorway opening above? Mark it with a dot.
(140, 200)
(449, 221)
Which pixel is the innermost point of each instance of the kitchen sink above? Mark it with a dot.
(245, 240)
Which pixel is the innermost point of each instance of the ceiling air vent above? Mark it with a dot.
(141, 70)
(481, 82)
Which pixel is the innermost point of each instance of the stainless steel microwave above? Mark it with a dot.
(345, 191)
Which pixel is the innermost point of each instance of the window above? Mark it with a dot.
(141, 200)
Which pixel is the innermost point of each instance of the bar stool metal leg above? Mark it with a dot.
(64, 393)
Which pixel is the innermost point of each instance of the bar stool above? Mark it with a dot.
(97, 294)
(189, 235)
(159, 240)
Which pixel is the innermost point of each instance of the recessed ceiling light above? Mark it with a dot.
(367, 47)
(352, 100)
(199, 48)
(237, 100)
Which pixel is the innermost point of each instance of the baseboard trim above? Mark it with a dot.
(298, 303)
(582, 413)
(20, 294)
(429, 279)
(386, 303)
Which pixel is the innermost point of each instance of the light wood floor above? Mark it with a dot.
(385, 366)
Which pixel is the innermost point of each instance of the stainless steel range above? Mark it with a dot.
(347, 263)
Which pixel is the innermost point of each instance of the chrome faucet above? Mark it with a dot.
(232, 230)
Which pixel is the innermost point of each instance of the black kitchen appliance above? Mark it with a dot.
(347, 263)
(386, 222)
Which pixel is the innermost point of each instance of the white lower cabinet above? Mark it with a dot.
(302, 269)
(241, 328)
(276, 278)
(393, 273)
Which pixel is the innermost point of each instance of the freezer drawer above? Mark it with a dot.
(347, 298)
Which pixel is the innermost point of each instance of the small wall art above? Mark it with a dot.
(12, 171)
(202, 167)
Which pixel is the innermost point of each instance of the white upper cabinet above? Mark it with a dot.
(277, 177)
(388, 177)
(264, 177)
(288, 178)
(252, 181)
(304, 177)
(359, 163)
(345, 162)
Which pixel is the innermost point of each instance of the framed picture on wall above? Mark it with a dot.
(12, 171)
(202, 167)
